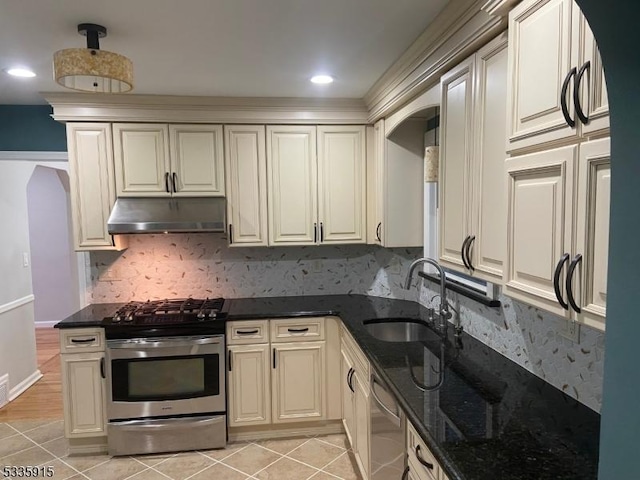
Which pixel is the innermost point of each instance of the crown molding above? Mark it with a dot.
(68, 107)
(499, 7)
(29, 156)
(460, 29)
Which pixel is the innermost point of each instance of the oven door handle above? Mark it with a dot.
(164, 342)
(168, 423)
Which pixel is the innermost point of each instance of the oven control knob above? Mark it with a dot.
(116, 318)
(213, 314)
(129, 317)
(201, 315)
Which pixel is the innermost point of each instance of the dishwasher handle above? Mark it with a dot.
(394, 417)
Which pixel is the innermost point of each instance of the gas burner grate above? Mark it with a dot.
(169, 311)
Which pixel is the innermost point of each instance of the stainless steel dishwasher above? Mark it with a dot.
(387, 433)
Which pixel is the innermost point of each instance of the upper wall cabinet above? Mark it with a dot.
(164, 160)
(92, 186)
(246, 175)
(472, 202)
(556, 83)
(316, 194)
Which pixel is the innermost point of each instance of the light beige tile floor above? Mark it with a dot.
(41, 443)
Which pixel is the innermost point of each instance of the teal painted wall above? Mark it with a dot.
(30, 128)
(615, 24)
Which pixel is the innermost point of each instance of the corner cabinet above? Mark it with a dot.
(556, 85)
(92, 186)
(168, 160)
(246, 179)
(316, 180)
(472, 201)
(83, 385)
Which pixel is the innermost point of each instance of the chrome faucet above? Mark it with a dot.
(443, 311)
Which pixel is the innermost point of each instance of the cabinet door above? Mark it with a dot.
(92, 187)
(141, 159)
(249, 385)
(488, 211)
(246, 173)
(341, 184)
(539, 223)
(197, 165)
(298, 381)
(292, 185)
(363, 417)
(595, 99)
(455, 159)
(348, 405)
(375, 192)
(592, 234)
(83, 395)
(542, 52)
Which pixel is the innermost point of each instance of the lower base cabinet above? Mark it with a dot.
(421, 463)
(249, 385)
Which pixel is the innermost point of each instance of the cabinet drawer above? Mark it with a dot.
(417, 449)
(247, 332)
(297, 329)
(81, 340)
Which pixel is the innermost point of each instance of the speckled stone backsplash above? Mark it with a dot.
(200, 265)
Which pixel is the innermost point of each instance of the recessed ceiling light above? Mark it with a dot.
(322, 79)
(21, 72)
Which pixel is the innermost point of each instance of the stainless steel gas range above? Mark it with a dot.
(165, 370)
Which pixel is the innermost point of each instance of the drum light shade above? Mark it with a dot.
(431, 164)
(91, 69)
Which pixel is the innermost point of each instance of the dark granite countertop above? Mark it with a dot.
(89, 316)
(489, 419)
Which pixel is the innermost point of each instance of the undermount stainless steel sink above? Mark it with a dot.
(398, 330)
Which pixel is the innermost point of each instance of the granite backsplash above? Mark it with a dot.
(181, 265)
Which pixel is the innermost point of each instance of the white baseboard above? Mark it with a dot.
(19, 389)
(48, 324)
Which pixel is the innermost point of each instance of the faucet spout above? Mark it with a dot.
(444, 313)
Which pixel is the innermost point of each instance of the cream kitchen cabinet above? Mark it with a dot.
(316, 184)
(246, 179)
(556, 81)
(422, 465)
(83, 385)
(546, 213)
(472, 202)
(356, 415)
(395, 194)
(298, 381)
(249, 385)
(168, 160)
(92, 186)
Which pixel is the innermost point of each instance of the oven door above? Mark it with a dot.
(166, 376)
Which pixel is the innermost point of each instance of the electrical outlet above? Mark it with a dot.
(25, 259)
(317, 265)
(570, 330)
(111, 274)
(394, 266)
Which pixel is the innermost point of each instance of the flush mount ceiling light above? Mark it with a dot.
(91, 69)
(20, 72)
(321, 79)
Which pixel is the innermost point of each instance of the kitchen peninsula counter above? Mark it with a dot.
(489, 418)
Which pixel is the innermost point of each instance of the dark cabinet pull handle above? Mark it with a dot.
(378, 231)
(298, 330)
(570, 274)
(315, 232)
(350, 380)
(563, 98)
(422, 460)
(229, 354)
(321, 232)
(576, 92)
(556, 281)
(462, 250)
(175, 182)
(102, 373)
(467, 253)
(405, 474)
(230, 233)
(247, 332)
(84, 340)
(274, 358)
(166, 182)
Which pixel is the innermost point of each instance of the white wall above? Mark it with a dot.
(17, 334)
(53, 261)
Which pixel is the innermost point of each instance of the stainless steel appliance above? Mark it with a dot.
(166, 375)
(387, 433)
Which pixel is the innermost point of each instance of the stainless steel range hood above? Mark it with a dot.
(167, 215)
